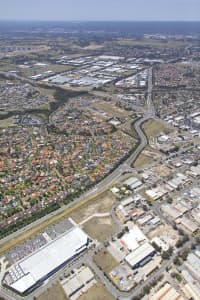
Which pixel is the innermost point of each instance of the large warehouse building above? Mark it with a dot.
(37, 267)
(140, 256)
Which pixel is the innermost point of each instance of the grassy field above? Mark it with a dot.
(49, 92)
(100, 228)
(105, 261)
(55, 292)
(142, 160)
(37, 70)
(151, 42)
(127, 128)
(101, 204)
(6, 122)
(111, 109)
(152, 128)
(97, 292)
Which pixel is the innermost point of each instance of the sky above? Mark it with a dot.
(100, 10)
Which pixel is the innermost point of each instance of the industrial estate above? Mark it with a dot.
(100, 163)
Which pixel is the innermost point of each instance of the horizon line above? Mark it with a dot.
(81, 21)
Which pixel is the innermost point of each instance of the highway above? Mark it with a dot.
(150, 106)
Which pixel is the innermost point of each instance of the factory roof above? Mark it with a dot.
(38, 265)
(139, 254)
(167, 292)
(77, 280)
(172, 212)
(127, 201)
(188, 224)
(132, 181)
(131, 239)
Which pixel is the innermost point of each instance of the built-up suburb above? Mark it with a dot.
(99, 164)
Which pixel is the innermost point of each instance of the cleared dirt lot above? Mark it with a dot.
(55, 292)
(97, 292)
(146, 157)
(100, 228)
(152, 128)
(142, 160)
(105, 261)
(165, 232)
(101, 204)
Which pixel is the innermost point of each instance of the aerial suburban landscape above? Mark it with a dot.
(99, 160)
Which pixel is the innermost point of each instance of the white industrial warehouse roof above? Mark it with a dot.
(131, 239)
(133, 182)
(47, 259)
(139, 254)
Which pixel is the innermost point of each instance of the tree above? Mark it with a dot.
(169, 200)
(158, 249)
(167, 254)
(177, 261)
(119, 235)
(184, 254)
(147, 289)
(198, 239)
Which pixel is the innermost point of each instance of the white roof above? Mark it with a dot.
(155, 221)
(21, 285)
(114, 190)
(163, 138)
(172, 212)
(139, 254)
(196, 170)
(77, 280)
(127, 201)
(131, 181)
(167, 293)
(138, 234)
(45, 260)
(189, 224)
(136, 184)
(131, 239)
(144, 220)
(129, 242)
(161, 243)
(123, 210)
(182, 208)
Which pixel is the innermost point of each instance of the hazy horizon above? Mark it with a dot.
(104, 10)
(98, 21)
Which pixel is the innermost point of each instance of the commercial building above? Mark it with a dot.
(132, 239)
(139, 257)
(188, 224)
(191, 290)
(193, 265)
(78, 283)
(171, 211)
(179, 180)
(195, 171)
(157, 192)
(133, 183)
(127, 201)
(190, 274)
(145, 220)
(122, 214)
(160, 243)
(37, 267)
(167, 292)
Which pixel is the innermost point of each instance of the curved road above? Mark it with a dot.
(100, 187)
(105, 184)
